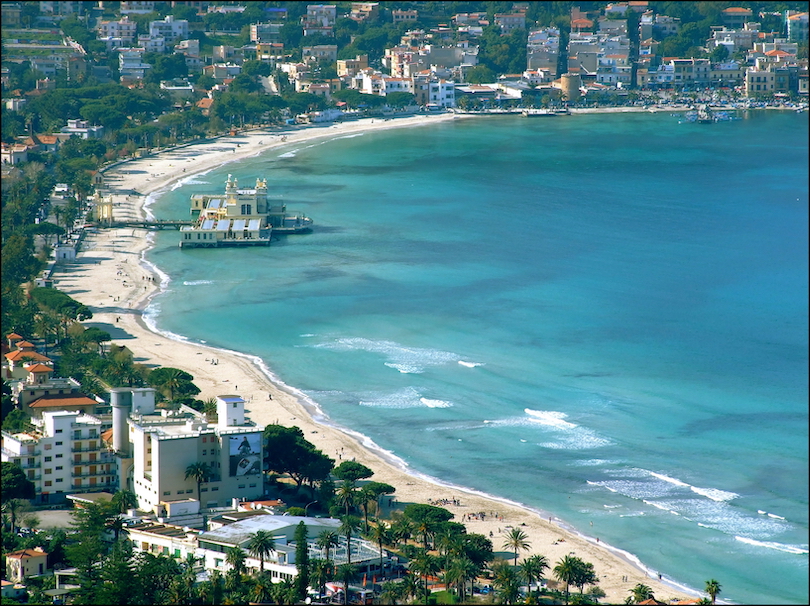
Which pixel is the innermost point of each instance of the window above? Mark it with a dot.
(59, 468)
(166, 493)
(205, 452)
(58, 431)
(205, 439)
(58, 479)
(47, 459)
(189, 491)
(179, 492)
(58, 443)
(241, 486)
(59, 456)
(77, 434)
(48, 483)
(251, 486)
(48, 470)
(203, 490)
(214, 488)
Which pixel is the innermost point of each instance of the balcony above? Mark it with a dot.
(36, 465)
(96, 449)
(87, 474)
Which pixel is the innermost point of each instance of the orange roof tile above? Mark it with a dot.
(13, 336)
(737, 9)
(22, 344)
(107, 435)
(205, 103)
(60, 401)
(17, 356)
(39, 368)
(777, 53)
(25, 553)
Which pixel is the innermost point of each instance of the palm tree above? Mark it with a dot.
(713, 588)
(116, 524)
(349, 525)
(533, 567)
(321, 573)
(459, 572)
(566, 571)
(261, 545)
(506, 582)
(262, 590)
(199, 472)
(381, 534)
(641, 592)
(327, 540)
(424, 565)
(402, 530)
(391, 592)
(346, 495)
(124, 500)
(516, 540)
(346, 574)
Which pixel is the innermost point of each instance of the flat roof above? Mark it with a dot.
(241, 531)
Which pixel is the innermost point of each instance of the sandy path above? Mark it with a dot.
(109, 277)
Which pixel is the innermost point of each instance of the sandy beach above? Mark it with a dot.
(109, 276)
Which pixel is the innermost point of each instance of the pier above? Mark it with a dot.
(155, 225)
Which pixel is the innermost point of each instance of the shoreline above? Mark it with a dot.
(105, 256)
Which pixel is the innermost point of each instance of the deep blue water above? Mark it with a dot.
(603, 317)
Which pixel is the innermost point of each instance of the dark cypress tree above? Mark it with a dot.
(301, 562)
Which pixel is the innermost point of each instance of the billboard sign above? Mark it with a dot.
(245, 454)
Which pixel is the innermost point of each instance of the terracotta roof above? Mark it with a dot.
(107, 435)
(13, 335)
(737, 9)
(205, 103)
(16, 356)
(59, 401)
(39, 368)
(777, 53)
(25, 553)
(22, 344)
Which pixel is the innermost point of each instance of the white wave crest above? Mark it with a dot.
(715, 494)
(408, 360)
(408, 397)
(197, 282)
(798, 549)
(289, 154)
(435, 403)
(551, 418)
(470, 364)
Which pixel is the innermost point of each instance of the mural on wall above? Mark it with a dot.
(245, 455)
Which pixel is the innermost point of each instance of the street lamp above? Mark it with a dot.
(307, 507)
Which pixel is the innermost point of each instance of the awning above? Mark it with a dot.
(254, 224)
(208, 224)
(239, 224)
(223, 224)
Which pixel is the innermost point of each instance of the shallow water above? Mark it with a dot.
(603, 317)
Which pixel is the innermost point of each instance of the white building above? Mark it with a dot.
(155, 450)
(83, 129)
(169, 28)
(63, 455)
(213, 545)
(123, 30)
(130, 64)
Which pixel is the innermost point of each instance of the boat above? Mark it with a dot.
(705, 115)
(239, 217)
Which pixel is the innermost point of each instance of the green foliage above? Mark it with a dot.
(172, 382)
(287, 451)
(14, 483)
(352, 471)
(301, 561)
(480, 74)
(16, 421)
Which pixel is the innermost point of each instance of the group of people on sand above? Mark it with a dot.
(439, 502)
(481, 516)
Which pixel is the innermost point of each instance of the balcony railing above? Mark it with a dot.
(30, 465)
(99, 448)
(87, 474)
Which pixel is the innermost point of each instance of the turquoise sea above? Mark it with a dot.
(602, 317)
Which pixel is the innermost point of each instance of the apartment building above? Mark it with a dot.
(155, 450)
(169, 28)
(65, 453)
